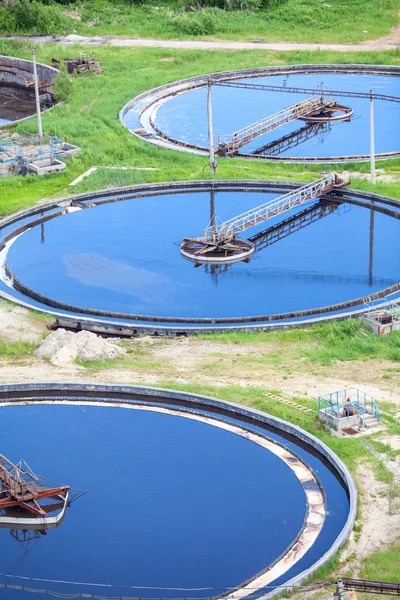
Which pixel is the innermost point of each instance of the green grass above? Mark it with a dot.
(90, 120)
(321, 344)
(323, 573)
(287, 20)
(16, 349)
(110, 363)
(382, 566)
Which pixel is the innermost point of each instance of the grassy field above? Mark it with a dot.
(383, 566)
(90, 120)
(285, 20)
(294, 20)
(323, 344)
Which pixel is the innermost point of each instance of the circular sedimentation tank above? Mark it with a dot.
(175, 115)
(112, 258)
(17, 94)
(191, 496)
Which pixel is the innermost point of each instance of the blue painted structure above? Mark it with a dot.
(332, 406)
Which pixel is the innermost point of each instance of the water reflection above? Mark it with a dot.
(295, 138)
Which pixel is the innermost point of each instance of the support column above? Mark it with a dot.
(37, 97)
(339, 593)
(213, 164)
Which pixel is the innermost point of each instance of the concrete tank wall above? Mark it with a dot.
(126, 394)
(21, 69)
(17, 73)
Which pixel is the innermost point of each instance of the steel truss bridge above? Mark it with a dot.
(224, 232)
(230, 144)
(219, 243)
(299, 221)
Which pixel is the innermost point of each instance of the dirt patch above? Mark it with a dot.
(17, 324)
(72, 14)
(390, 41)
(190, 360)
(381, 175)
(380, 519)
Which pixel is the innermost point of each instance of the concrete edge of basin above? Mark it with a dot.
(25, 391)
(169, 90)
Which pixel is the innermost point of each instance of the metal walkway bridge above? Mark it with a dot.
(295, 223)
(21, 488)
(229, 229)
(230, 144)
(218, 243)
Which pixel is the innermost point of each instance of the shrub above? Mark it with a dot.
(62, 86)
(249, 5)
(232, 5)
(201, 23)
(7, 21)
(24, 16)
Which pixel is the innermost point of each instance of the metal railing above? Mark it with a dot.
(229, 144)
(335, 403)
(227, 230)
(300, 90)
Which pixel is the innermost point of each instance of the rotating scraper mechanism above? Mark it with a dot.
(317, 109)
(220, 244)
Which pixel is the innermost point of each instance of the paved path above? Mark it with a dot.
(387, 42)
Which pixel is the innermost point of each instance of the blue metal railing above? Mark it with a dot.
(334, 404)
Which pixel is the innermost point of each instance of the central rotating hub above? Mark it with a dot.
(219, 244)
(205, 251)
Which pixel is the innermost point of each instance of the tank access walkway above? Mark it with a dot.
(219, 243)
(315, 109)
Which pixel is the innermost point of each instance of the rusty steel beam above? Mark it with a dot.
(373, 587)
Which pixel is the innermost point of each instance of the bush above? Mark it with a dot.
(24, 16)
(7, 21)
(232, 5)
(62, 86)
(249, 5)
(201, 23)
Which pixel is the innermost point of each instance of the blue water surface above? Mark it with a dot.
(184, 117)
(170, 502)
(123, 257)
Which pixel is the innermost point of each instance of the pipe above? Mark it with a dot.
(213, 164)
